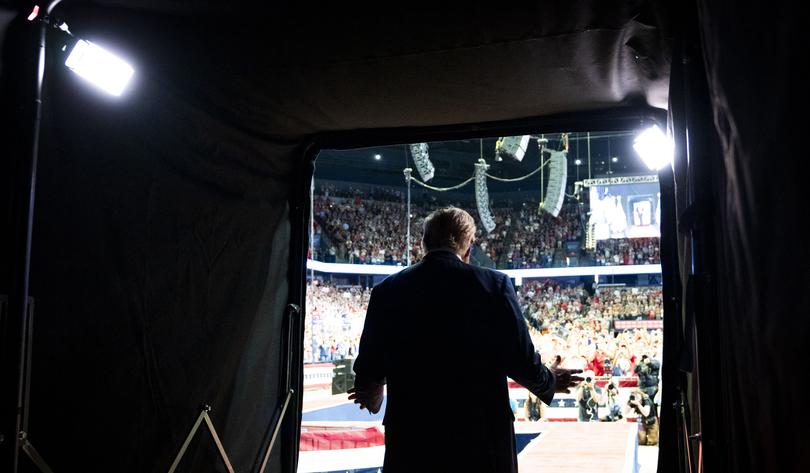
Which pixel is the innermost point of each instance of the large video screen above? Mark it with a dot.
(626, 210)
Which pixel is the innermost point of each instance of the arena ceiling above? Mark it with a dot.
(454, 161)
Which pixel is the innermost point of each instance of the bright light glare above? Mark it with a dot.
(100, 67)
(377, 157)
(578, 162)
(654, 148)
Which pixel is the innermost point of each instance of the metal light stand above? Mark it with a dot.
(25, 390)
(204, 410)
(407, 172)
(292, 311)
(542, 141)
(541, 145)
(23, 325)
(312, 227)
(680, 407)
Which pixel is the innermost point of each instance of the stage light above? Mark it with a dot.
(99, 67)
(578, 162)
(615, 159)
(654, 148)
(512, 146)
(421, 158)
(377, 157)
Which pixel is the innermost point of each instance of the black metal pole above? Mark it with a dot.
(12, 434)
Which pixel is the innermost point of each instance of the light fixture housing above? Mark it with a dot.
(655, 148)
(100, 67)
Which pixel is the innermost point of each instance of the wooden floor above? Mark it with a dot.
(576, 447)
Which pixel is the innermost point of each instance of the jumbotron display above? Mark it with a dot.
(625, 211)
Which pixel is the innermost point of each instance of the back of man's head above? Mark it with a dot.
(448, 228)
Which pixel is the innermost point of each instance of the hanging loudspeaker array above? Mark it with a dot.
(421, 158)
(482, 196)
(557, 176)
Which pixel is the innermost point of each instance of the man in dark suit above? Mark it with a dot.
(444, 336)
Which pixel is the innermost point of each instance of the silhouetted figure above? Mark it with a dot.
(444, 325)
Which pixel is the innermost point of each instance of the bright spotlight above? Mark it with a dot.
(99, 67)
(615, 159)
(377, 157)
(654, 148)
(512, 146)
(578, 162)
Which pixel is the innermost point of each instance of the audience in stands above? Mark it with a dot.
(334, 321)
(570, 322)
(563, 320)
(536, 235)
(362, 230)
(366, 226)
(625, 251)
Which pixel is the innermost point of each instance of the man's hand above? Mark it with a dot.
(564, 379)
(369, 397)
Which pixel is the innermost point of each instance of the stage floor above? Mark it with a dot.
(609, 447)
(561, 446)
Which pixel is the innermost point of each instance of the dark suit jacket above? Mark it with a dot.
(444, 335)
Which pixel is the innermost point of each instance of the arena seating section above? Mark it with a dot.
(368, 227)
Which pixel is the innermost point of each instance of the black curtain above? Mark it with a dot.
(161, 247)
(753, 267)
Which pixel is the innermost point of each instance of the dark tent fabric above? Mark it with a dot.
(164, 224)
(162, 228)
(755, 253)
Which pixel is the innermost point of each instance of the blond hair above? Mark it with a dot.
(450, 228)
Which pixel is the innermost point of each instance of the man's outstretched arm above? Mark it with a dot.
(523, 363)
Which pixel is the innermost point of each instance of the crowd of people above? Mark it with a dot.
(563, 320)
(367, 226)
(624, 251)
(334, 321)
(536, 235)
(578, 325)
(352, 192)
(364, 230)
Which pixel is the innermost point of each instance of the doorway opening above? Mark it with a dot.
(573, 218)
